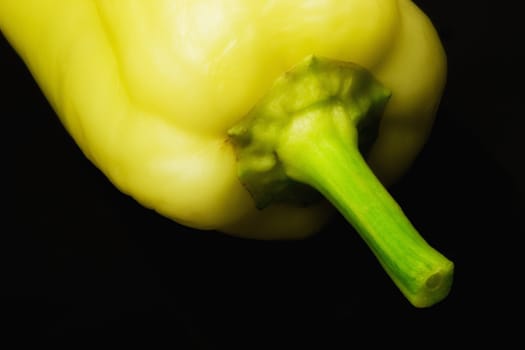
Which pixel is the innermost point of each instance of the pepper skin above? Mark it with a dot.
(149, 89)
(224, 114)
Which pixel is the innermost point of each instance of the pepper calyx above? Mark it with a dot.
(316, 86)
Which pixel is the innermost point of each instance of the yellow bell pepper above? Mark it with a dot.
(180, 104)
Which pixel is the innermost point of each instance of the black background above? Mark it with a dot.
(89, 261)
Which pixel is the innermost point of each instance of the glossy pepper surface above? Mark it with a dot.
(157, 95)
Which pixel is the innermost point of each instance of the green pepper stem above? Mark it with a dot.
(319, 152)
(308, 132)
